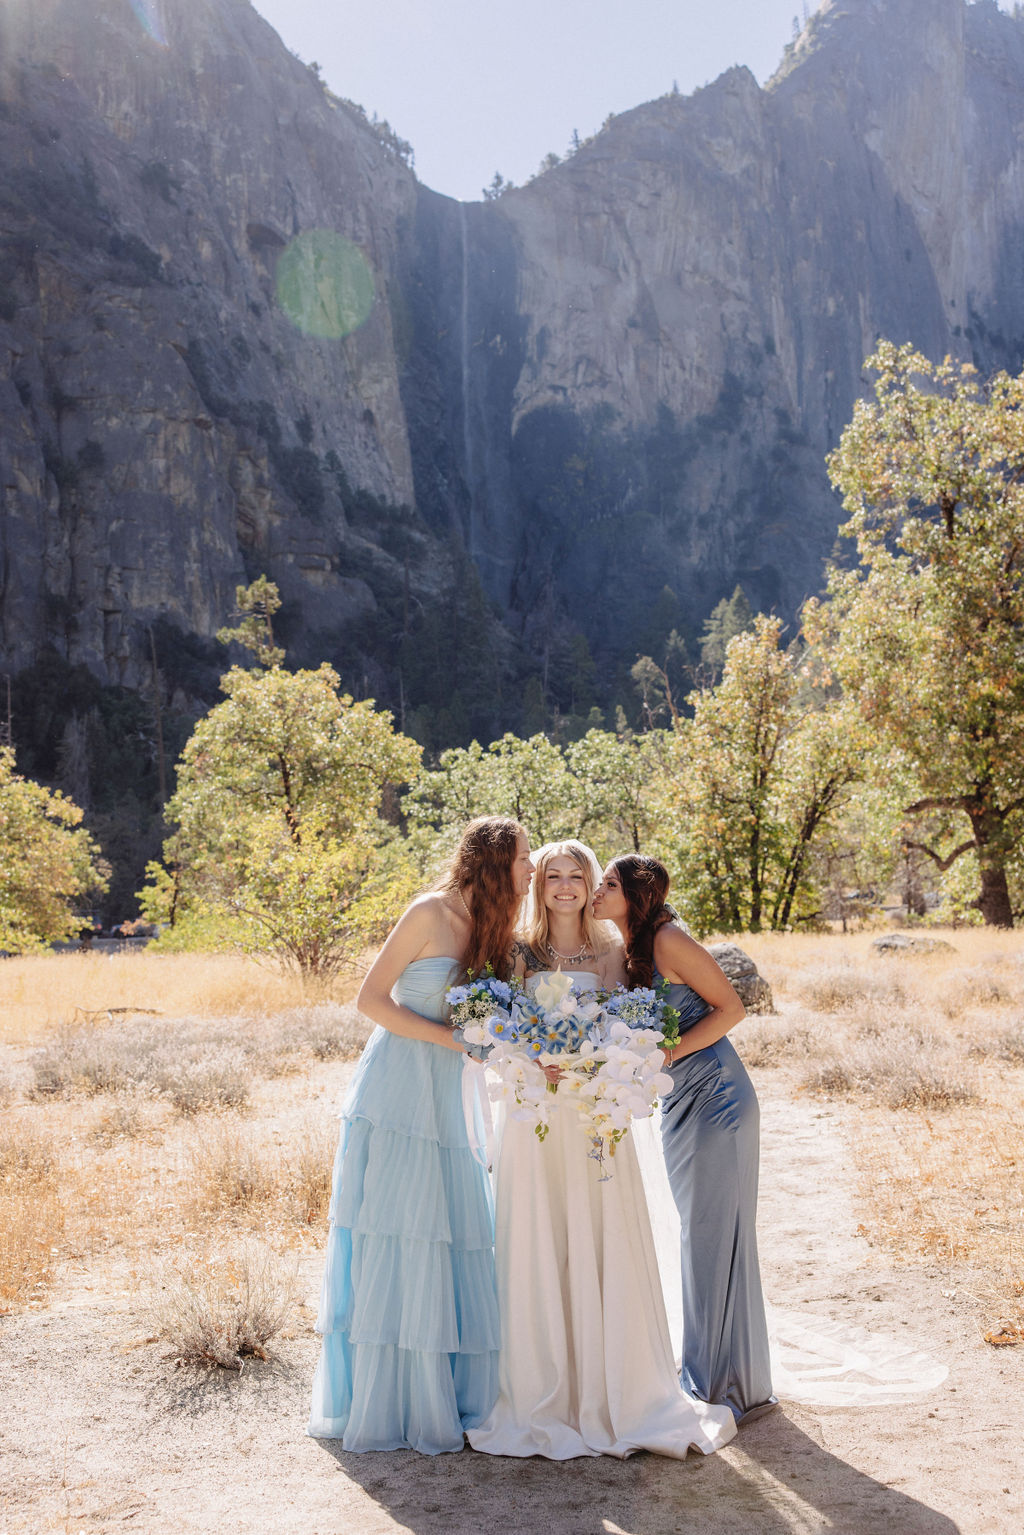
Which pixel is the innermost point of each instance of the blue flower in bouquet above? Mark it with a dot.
(644, 1007)
(502, 1026)
(559, 1034)
(529, 1023)
(481, 1013)
(638, 1008)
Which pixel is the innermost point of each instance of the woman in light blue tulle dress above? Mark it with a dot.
(710, 1136)
(408, 1309)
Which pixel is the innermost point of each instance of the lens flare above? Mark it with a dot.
(324, 284)
(148, 14)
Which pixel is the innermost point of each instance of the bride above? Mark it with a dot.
(586, 1365)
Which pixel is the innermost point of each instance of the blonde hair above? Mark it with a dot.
(536, 926)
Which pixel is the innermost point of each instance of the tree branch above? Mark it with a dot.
(943, 863)
(952, 802)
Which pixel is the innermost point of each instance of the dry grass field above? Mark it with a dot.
(155, 1113)
(167, 1126)
(39, 992)
(157, 1105)
(930, 1049)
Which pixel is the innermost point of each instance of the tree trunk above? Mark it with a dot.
(990, 841)
(994, 901)
(755, 880)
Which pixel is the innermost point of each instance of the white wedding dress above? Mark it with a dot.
(586, 1364)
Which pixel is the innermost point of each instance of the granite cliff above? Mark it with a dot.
(618, 382)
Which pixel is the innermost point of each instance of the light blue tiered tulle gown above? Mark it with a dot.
(710, 1131)
(408, 1308)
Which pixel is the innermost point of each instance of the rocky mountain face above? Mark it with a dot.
(236, 336)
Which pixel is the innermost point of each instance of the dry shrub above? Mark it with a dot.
(761, 1042)
(840, 987)
(231, 1173)
(123, 1119)
(31, 1221)
(1007, 1046)
(31, 1229)
(904, 1068)
(218, 1078)
(952, 1190)
(194, 1062)
(327, 1031)
(27, 1157)
(835, 1079)
(220, 1311)
(309, 1168)
(194, 1067)
(980, 986)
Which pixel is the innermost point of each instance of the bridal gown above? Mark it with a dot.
(408, 1308)
(586, 1365)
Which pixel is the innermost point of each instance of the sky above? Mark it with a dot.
(478, 86)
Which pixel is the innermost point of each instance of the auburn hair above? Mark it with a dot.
(536, 928)
(484, 859)
(645, 883)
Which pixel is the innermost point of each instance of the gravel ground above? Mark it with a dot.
(98, 1432)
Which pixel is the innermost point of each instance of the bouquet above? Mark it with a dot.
(606, 1045)
(482, 1010)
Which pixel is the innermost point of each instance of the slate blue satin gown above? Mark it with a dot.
(710, 1135)
(408, 1307)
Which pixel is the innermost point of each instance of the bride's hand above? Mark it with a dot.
(553, 1073)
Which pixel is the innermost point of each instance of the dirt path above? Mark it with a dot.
(98, 1435)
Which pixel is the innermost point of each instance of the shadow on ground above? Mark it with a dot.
(774, 1479)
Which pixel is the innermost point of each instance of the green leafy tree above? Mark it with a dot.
(926, 633)
(731, 616)
(749, 783)
(255, 607)
(526, 779)
(278, 824)
(497, 187)
(661, 685)
(614, 776)
(598, 787)
(857, 857)
(49, 864)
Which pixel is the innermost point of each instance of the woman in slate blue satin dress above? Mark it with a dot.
(408, 1308)
(710, 1131)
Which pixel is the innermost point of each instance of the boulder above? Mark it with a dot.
(910, 943)
(754, 991)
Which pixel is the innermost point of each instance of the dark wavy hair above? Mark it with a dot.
(645, 883)
(485, 858)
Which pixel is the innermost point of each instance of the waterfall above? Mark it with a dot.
(467, 436)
